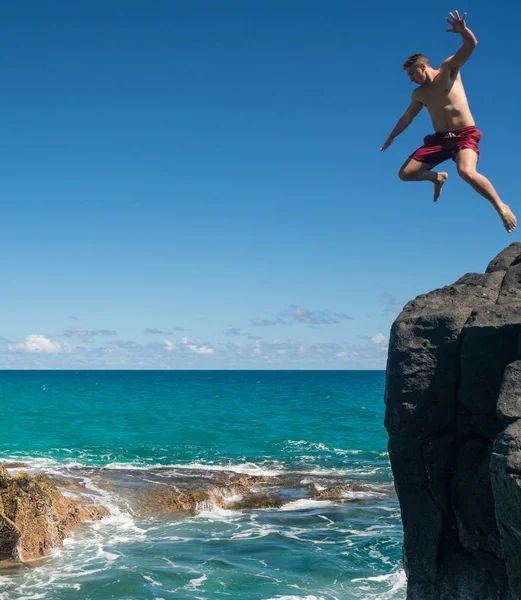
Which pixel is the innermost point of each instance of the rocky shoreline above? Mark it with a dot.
(37, 512)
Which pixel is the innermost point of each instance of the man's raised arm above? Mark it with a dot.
(404, 122)
(458, 25)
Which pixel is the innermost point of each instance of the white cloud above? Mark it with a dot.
(40, 344)
(198, 346)
(378, 339)
(201, 349)
(341, 354)
(169, 346)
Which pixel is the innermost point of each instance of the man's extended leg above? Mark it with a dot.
(466, 161)
(414, 170)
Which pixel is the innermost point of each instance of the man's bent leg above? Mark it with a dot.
(466, 161)
(414, 170)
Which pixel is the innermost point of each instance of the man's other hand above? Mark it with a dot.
(388, 142)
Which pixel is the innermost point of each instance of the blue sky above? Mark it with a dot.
(199, 184)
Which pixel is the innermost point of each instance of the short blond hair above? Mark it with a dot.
(415, 59)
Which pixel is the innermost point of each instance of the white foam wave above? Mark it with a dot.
(271, 469)
(343, 471)
(322, 447)
(152, 581)
(297, 598)
(397, 580)
(51, 465)
(218, 514)
(232, 499)
(244, 468)
(196, 583)
(360, 495)
(259, 531)
(305, 504)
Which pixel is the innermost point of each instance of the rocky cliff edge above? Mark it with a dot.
(453, 414)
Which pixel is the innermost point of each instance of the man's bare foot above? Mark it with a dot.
(441, 178)
(508, 218)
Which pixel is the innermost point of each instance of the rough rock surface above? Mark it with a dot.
(453, 414)
(35, 516)
(236, 492)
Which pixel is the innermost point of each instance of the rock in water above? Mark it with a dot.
(453, 414)
(35, 516)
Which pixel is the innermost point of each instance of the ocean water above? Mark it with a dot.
(313, 443)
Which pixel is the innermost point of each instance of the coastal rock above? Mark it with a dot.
(158, 500)
(196, 494)
(35, 516)
(349, 492)
(453, 414)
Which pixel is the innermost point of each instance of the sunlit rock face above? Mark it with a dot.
(35, 516)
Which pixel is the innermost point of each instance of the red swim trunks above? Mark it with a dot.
(441, 146)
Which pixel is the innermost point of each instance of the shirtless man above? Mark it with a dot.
(456, 136)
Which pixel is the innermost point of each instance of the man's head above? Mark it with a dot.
(417, 68)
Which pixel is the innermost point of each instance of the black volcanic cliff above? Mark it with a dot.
(453, 413)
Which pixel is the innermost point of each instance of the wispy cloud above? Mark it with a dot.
(345, 316)
(154, 331)
(296, 314)
(262, 322)
(72, 318)
(81, 332)
(125, 344)
(391, 305)
(232, 331)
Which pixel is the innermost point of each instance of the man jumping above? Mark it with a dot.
(456, 136)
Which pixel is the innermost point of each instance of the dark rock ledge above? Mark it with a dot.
(453, 414)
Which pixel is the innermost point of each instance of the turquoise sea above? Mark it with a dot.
(123, 436)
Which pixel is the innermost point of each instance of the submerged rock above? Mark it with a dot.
(257, 501)
(350, 492)
(207, 496)
(35, 516)
(453, 410)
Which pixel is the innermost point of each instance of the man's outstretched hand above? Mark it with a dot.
(457, 23)
(387, 143)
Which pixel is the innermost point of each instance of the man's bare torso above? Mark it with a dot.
(446, 100)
